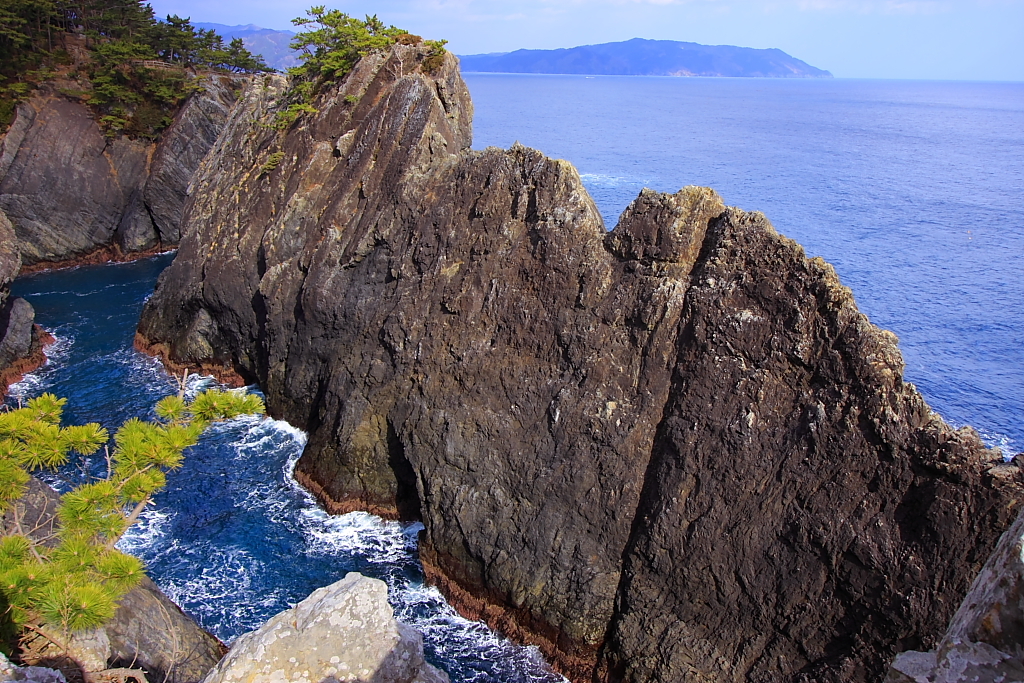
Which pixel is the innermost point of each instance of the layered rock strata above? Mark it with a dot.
(675, 451)
(343, 632)
(75, 195)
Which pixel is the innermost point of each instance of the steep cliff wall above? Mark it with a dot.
(674, 451)
(71, 192)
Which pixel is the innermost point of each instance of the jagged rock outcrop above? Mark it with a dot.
(148, 631)
(675, 451)
(343, 632)
(73, 193)
(21, 341)
(985, 639)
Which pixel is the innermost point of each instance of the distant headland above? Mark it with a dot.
(640, 57)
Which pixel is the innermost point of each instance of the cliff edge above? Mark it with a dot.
(672, 451)
(75, 194)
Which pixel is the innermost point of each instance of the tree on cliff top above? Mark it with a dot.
(42, 38)
(70, 580)
(335, 41)
(330, 48)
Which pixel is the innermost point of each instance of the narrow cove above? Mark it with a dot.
(233, 539)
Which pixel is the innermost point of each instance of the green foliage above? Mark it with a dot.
(73, 579)
(124, 39)
(272, 162)
(334, 42)
(435, 59)
(286, 117)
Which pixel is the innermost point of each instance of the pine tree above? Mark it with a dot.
(72, 581)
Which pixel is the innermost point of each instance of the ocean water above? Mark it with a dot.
(914, 191)
(233, 539)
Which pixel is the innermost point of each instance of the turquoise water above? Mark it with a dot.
(915, 191)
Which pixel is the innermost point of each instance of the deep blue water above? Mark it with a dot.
(914, 191)
(233, 539)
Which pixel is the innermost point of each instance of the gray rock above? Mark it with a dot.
(17, 318)
(29, 674)
(16, 326)
(67, 185)
(343, 632)
(150, 631)
(182, 148)
(10, 255)
(70, 191)
(985, 638)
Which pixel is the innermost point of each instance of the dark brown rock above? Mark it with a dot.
(21, 341)
(72, 192)
(803, 506)
(675, 451)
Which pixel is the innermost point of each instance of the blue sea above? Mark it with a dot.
(913, 190)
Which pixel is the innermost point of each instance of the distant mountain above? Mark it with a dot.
(639, 57)
(272, 44)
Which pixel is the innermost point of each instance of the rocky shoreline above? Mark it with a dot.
(109, 199)
(672, 451)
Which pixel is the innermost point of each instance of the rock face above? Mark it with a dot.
(148, 631)
(985, 639)
(21, 341)
(342, 632)
(70, 191)
(675, 451)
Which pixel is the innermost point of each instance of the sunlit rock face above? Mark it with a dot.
(985, 639)
(342, 632)
(672, 451)
(73, 192)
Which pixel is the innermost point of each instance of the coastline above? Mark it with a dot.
(36, 359)
(222, 373)
(110, 253)
(516, 625)
(575, 662)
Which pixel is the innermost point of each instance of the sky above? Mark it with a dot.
(915, 39)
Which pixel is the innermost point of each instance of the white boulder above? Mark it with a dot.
(344, 632)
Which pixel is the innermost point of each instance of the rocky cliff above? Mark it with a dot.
(21, 341)
(73, 193)
(672, 451)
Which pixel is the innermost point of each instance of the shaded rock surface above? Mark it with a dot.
(21, 341)
(985, 638)
(675, 451)
(148, 631)
(343, 632)
(70, 191)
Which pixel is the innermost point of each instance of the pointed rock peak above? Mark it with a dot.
(665, 227)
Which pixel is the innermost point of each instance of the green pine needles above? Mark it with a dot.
(334, 41)
(330, 45)
(72, 580)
